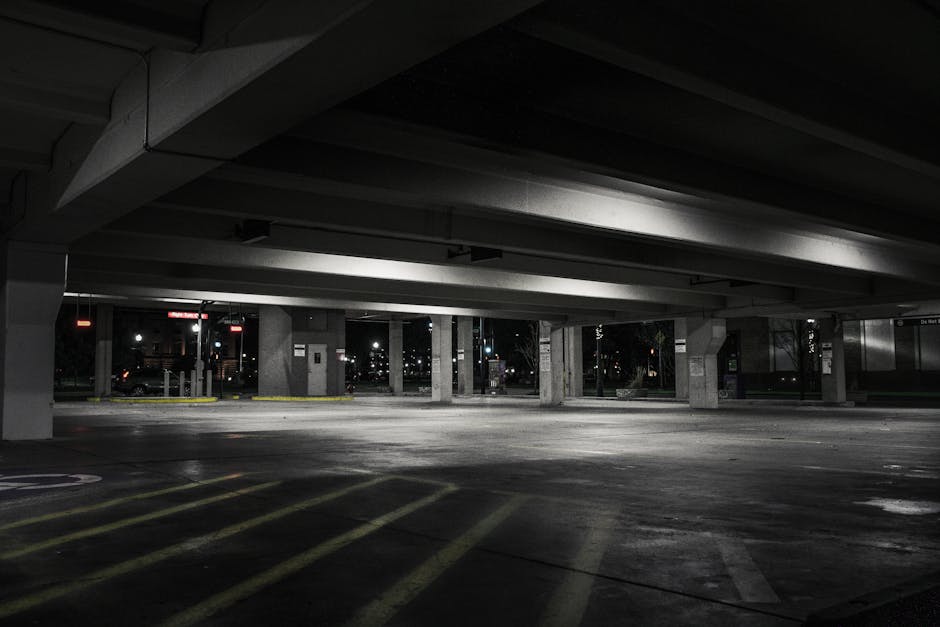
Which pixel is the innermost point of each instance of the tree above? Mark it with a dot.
(528, 346)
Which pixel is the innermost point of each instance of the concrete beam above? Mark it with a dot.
(714, 69)
(59, 105)
(395, 350)
(287, 198)
(233, 255)
(342, 171)
(276, 68)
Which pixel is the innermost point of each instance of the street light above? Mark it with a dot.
(196, 328)
(375, 344)
(138, 337)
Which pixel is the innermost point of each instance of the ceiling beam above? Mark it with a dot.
(125, 24)
(493, 185)
(276, 68)
(19, 159)
(433, 276)
(288, 201)
(643, 40)
(59, 105)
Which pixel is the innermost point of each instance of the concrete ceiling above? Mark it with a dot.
(627, 160)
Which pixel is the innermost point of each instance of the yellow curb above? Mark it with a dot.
(172, 399)
(93, 399)
(236, 397)
(301, 398)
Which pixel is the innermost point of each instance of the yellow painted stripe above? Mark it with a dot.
(117, 501)
(571, 597)
(301, 398)
(22, 604)
(127, 522)
(247, 588)
(167, 399)
(392, 600)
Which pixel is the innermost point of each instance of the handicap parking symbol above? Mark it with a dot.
(44, 481)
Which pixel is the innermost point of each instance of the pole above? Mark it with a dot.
(482, 365)
(599, 334)
(197, 380)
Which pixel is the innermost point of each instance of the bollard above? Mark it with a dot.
(208, 381)
(182, 383)
(194, 387)
(166, 383)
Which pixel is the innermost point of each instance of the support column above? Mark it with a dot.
(33, 281)
(574, 362)
(465, 355)
(104, 341)
(274, 351)
(832, 354)
(551, 364)
(396, 381)
(705, 337)
(442, 377)
(682, 359)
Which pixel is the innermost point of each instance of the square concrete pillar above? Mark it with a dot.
(104, 342)
(682, 359)
(33, 278)
(274, 351)
(574, 362)
(442, 371)
(551, 364)
(705, 337)
(832, 357)
(396, 380)
(465, 354)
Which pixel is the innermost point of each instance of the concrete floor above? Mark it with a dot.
(488, 512)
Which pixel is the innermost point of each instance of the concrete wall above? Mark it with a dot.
(280, 373)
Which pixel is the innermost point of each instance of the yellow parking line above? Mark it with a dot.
(381, 610)
(127, 522)
(117, 501)
(245, 589)
(571, 598)
(22, 604)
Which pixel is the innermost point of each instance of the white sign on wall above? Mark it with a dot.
(680, 345)
(300, 350)
(696, 366)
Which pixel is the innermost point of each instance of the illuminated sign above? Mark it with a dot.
(235, 328)
(186, 315)
(83, 324)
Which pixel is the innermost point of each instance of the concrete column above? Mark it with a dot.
(274, 351)
(465, 355)
(551, 364)
(442, 377)
(104, 342)
(831, 350)
(396, 379)
(682, 359)
(574, 362)
(33, 278)
(705, 337)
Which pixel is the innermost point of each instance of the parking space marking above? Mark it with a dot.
(249, 587)
(22, 604)
(747, 577)
(113, 502)
(382, 609)
(133, 520)
(570, 600)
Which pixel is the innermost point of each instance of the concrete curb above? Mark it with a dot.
(173, 400)
(302, 398)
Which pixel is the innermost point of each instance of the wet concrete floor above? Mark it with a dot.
(488, 512)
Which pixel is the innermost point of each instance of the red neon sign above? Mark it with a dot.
(83, 323)
(235, 328)
(186, 315)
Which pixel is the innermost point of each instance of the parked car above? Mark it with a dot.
(148, 382)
